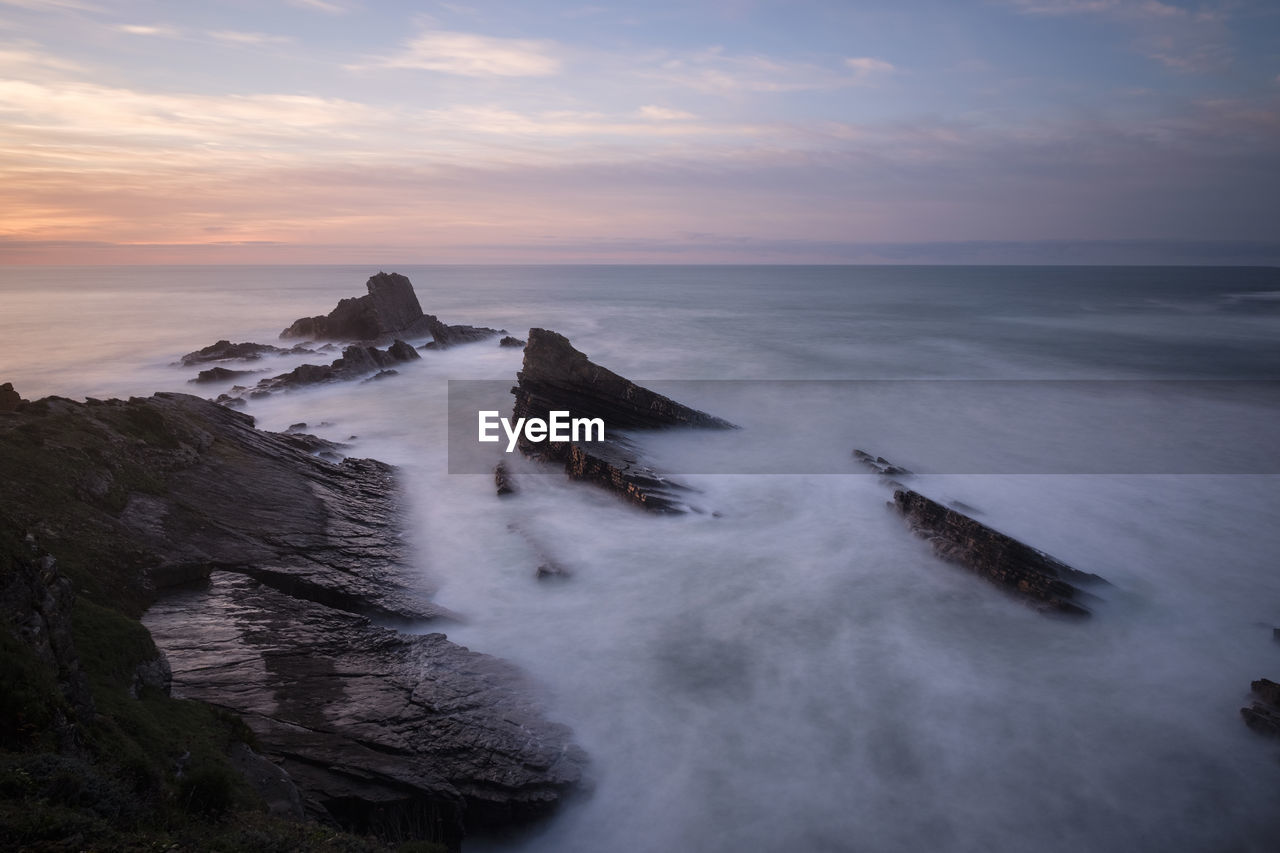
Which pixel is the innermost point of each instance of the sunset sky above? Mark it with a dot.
(326, 131)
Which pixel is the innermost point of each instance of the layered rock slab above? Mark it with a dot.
(557, 377)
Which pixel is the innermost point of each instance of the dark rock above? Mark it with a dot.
(552, 571)
(382, 374)
(411, 737)
(227, 351)
(389, 308)
(1263, 716)
(377, 728)
(1047, 583)
(555, 376)
(301, 426)
(9, 398)
(221, 374)
(445, 336)
(154, 673)
(880, 465)
(502, 480)
(273, 785)
(357, 361)
(509, 341)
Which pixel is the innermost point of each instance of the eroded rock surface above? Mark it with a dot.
(557, 377)
(357, 361)
(1042, 580)
(300, 565)
(444, 336)
(389, 308)
(227, 351)
(1263, 716)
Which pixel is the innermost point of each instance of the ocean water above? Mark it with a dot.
(793, 670)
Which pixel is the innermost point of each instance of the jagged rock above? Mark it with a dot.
(382, 374)
(35, 608)
(221, 374)
(445, 336)
(555, 376)
(227, 351)
(9, 398)
(420, 728)
(509, 341)
(299, 556)
(1263, 716)
(1045, 582)
(356, 361)
(880, 465)
(502, 480)
(389, 308)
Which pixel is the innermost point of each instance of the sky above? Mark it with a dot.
(725, 131)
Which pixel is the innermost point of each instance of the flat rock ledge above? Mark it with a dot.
(556, 376)
(275, 580)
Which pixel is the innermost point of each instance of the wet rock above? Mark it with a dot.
(556, 376)
(444, 336)
(357, 361)
(509, 341)
(1263, 716)
(227, 351)
(502, 480)
(221, 374)
(299, 566)
(389, 308)
(377, 728)
(9, 398)
(1043, 581)
(880, 465)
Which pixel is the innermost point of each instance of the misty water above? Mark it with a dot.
(792, 669)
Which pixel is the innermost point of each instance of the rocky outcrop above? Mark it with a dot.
(444, 336)
(9, 398)
(300, 567)
(357, 361)
(389, 308)
(221, 374)
(227, 351)
(1043, 581)
(509, 341)
(1263, 716)
(880, 465)
(557, 377)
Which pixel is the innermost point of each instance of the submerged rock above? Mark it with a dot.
(556, 376)
(1042, 580)
(357, 361)
(227, 351)
(444, 336)
(221, 374)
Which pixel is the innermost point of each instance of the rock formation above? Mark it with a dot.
(9, 398)
(509, 341)
(389, 308)
(221, 374)
(444, 336)
(303, 565)
(1263, 716)
(1045, 582)
(227, 351)
(555, 376)
(356, 361)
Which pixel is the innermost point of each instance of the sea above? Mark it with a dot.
(789, 668)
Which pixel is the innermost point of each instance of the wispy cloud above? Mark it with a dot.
(475, 55)
(237, 37)
(328, 7)
(162, 30)
(53, 5)
(656, 113)
(717, 71)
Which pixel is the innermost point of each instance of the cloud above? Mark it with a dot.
(236, 37)
(473, 55)
(864, 67)
(162, 30)
(53, 5)
(715, 71)
(655, 113)
(325, 6)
